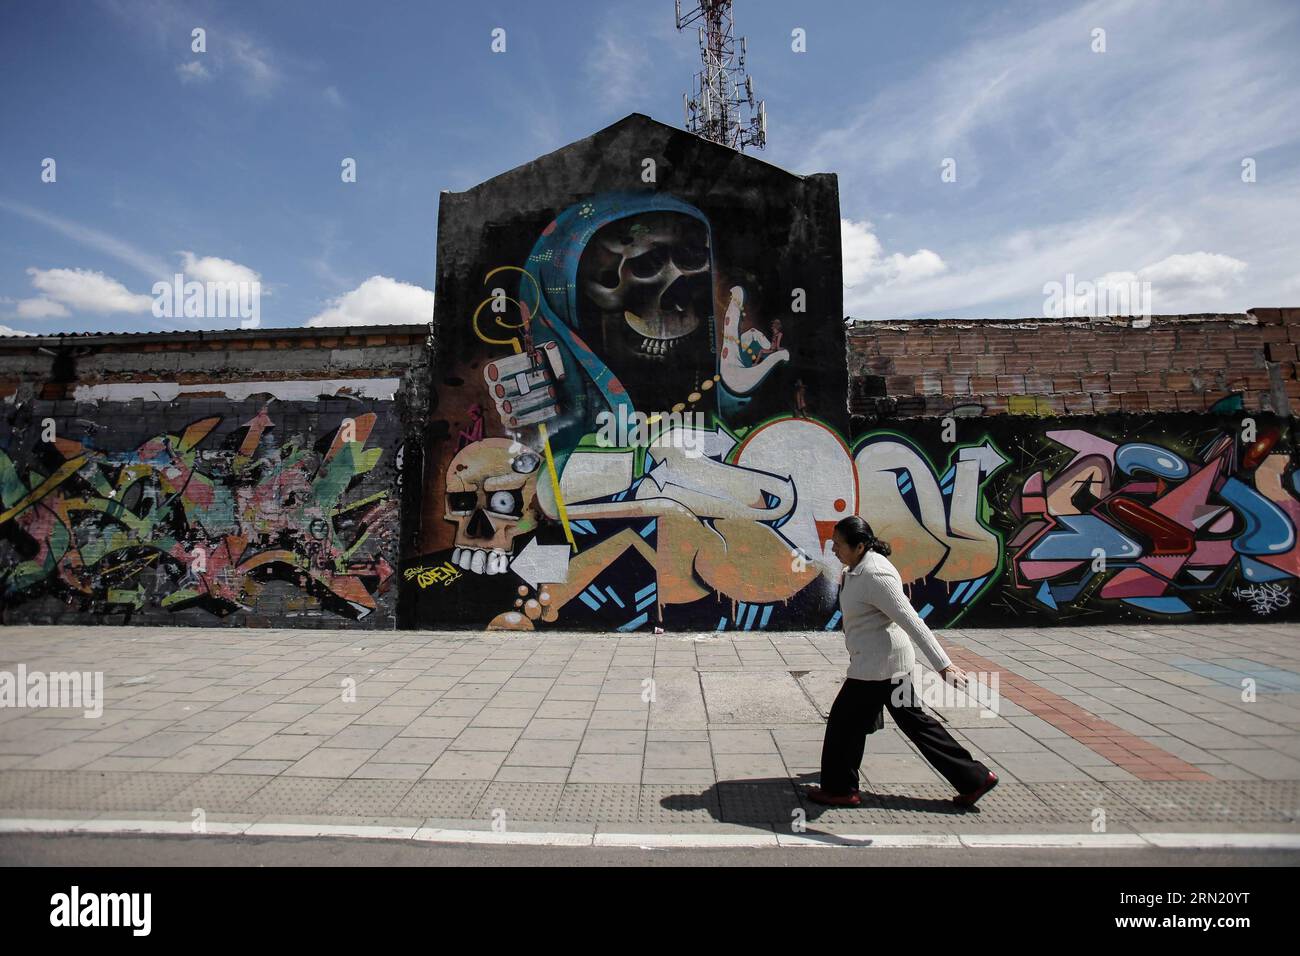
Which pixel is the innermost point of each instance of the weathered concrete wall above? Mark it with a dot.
(261, 479)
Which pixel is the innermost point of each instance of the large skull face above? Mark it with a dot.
(489, 491)
(649, 276)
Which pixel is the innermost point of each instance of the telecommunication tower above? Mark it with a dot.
(721, 104)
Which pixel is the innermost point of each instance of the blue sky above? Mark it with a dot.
(1114, 166)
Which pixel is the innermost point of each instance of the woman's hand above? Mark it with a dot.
(954, 675)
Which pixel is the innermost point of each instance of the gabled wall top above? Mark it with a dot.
(641, 129)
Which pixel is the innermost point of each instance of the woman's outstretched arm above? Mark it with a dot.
(886, 593)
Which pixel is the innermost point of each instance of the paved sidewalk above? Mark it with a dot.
(1144, 726)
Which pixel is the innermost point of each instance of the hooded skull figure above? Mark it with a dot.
(648, 280)
(622, 282)
(491, 493)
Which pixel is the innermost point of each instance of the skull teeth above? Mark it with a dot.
(655, 347)
(480, 561)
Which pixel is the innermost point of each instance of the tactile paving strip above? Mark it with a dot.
(1076, 802)
(1280, 796)
(442, 798)
(1209, 802)
(675, 803)
(533, 802)
(918, 804)
(359, 798)
(757, 802)
(61, 790)
(1005, 804)
(14, 783)
(284, 795)
(600, 803)
(142, 791)
(218, 792)
(924, 804)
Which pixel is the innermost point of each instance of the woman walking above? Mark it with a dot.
(878, 620)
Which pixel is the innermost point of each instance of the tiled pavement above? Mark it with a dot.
(1146, 725)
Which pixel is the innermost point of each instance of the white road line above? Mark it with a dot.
(883, 840)
(158, 827)
(662, 841)
(1056, 840)
(502, 838)
(973, 841)
(331, 829)
(1279, 841)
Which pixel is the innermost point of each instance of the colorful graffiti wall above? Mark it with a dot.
(639, 422)
(200, 512)
(993, 522)
(1148, 518)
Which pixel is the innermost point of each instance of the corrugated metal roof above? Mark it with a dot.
(209, 335)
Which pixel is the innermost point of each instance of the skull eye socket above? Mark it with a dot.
(509, 503)
(648, 264)
(691, 256)
(461, 502)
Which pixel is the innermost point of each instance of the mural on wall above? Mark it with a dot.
(624, 470)
(615, 481)
(1203, 522)
(639, 421)
(178, 523)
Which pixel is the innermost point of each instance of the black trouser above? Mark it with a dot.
(857, 707)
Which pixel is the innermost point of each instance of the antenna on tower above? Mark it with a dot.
(716, 107)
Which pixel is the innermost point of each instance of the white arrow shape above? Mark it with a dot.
(542, 563)
(989, 458)
(717, 444)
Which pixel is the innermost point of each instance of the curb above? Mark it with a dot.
(438, 835)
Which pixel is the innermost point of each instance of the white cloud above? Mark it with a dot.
(253, 59)
(192, 72)
(87, 291)
(634, 46)
(215, 269)
(867, 268)
(1184, 282)
(617, 70)
(1170, 92)
(5, 330)
(233, 53)
(40, 308)
(1210, 271)
(151, 266)
(333, 97)
(378, 301)
(1005, 269)
(1076, 163)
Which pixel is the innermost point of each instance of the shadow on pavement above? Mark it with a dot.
(780, 802)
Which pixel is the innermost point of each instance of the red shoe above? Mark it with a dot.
(968, 799)
(818, 795)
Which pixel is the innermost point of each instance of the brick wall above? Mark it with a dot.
(1187, 363)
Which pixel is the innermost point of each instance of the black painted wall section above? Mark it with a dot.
(648, 260)
(773, 233)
